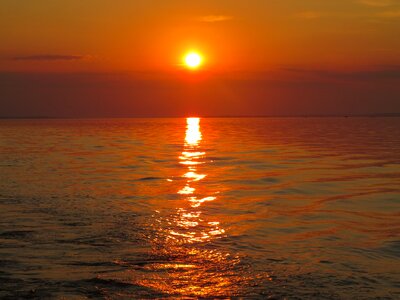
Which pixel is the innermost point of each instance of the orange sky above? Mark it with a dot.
(252, 40)
(245, 35)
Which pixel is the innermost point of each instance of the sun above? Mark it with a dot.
(193, 60)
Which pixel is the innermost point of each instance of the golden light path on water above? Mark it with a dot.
(191, 157)
(194, 266)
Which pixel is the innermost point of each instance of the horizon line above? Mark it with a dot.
(206, 117)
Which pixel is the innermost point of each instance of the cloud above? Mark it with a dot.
(390, 14)
(132, 95)
(215, 18)
(394, 12)
(376, 3)
(50, 57)
(308, 15)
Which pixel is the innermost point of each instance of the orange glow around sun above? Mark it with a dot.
(193, 60)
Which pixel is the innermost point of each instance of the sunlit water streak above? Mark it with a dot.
(154, 208)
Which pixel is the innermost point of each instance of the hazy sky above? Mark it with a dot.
(123, 57)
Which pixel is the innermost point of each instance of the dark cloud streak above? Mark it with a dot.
(49, 57)
(377, 74)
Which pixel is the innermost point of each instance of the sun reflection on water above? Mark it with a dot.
(195, 267)
(192, 156)
(193, 133)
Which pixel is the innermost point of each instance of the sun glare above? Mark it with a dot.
(193, 60)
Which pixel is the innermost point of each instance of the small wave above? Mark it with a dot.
(149, 178)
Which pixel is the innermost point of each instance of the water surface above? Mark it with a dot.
(156, 208)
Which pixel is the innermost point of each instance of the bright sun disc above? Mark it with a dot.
(193, 60)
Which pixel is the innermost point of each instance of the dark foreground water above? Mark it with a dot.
(291, 208)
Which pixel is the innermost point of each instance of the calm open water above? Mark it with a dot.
(291, 208)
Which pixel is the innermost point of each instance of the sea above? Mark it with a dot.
(209, 208)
